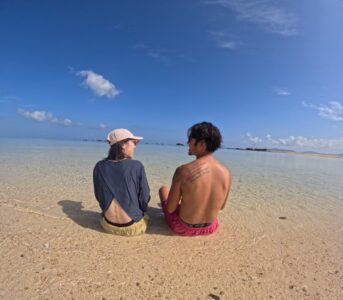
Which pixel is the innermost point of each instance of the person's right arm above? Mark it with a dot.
(175, 193)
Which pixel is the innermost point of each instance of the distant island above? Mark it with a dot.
(275, 150)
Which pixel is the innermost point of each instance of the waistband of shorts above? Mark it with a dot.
(135, 229)
(200, 225)
(118, 224)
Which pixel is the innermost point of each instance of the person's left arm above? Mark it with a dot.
(228, 190)
(144, 190)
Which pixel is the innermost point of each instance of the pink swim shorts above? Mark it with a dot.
(179, 227)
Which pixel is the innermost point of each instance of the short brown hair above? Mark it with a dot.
(207, 132)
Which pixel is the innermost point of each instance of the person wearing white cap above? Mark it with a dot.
(121, 186)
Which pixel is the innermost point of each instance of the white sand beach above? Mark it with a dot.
(53, 247)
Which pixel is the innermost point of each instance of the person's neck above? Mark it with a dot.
(119, 160)
(203, 155)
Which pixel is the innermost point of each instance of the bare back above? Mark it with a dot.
(116, 214)
(205, 185)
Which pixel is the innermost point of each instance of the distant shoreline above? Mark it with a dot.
(282, 151)
(313, 154)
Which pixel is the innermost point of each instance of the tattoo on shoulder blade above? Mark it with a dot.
(197, 171)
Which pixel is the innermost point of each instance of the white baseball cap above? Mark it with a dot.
(121, 134)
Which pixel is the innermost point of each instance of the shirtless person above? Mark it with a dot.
(200, 188)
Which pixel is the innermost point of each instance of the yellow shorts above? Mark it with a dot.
(136, 228)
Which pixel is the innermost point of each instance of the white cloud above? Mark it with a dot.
(39, 116)
(65, 121)
(253, 139)
(102, 126)
(332, 111)
(263, 12)
(98, 84)
(44, 116)
(297, 141)
(281, 91)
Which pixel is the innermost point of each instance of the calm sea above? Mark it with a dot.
(266, 186)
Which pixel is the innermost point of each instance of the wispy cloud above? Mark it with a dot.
(224, 40)
(9, 99)
(228, 44)
(162, 55)
(262, 12)
(117, 26)
(98, 84)
(44, 116)
(140, 46)
(332, 111)
(296, 141)
(281, 91)
(102, 126)
(158, 55)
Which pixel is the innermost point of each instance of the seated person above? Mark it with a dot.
(200, 188)
(121, 187)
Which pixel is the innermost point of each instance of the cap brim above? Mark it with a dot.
(138, 138)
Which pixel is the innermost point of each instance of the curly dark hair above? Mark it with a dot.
(207, 132)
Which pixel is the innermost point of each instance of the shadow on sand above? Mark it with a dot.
(90, 219)
(85, 218)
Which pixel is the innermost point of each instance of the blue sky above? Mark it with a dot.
(267, 73)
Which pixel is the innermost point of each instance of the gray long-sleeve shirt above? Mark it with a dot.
(125, 181)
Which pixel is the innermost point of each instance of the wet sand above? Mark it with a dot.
(53, 247)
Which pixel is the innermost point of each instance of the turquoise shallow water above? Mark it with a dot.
(38, 173)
